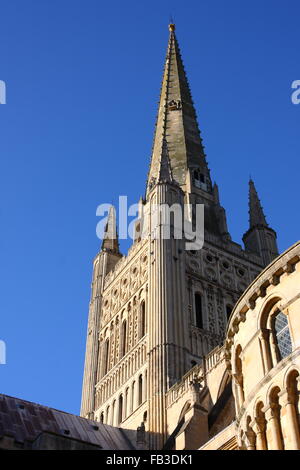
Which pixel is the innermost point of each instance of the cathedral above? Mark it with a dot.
(163, 330)
(186, 349)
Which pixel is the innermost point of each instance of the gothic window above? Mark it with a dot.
(281, 332)
(142, 319)
(102, 417)
(140, 390)
(132, 396)
(107, 415)
(199, 180)
(123, 338)
(112, 418)
(106, 357)
(198, 310)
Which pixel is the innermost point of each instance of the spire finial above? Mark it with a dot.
(172, 27)
(257, 216)
(110, 240)
(165, 172)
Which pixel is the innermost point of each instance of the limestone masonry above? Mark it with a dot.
(166, 351)
(186, 349)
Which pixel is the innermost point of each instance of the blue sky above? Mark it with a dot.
(83, 80)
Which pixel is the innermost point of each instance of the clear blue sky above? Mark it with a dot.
(83, 80)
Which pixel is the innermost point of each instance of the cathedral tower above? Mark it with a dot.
(104, 262)
(158, 311)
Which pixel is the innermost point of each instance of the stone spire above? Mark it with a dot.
(110, 240)
(256, 214)
(176, 122)
(259, 238)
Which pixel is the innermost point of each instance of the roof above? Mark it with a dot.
(24, 421)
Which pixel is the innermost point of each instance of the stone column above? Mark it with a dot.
(238, 379)
(264, 337)
(129, 401)
(144, 398)
(298, 397)
(273, 349)
(241, 441)
(274, 438)
(116, 414)
(125, 404)
(259, 427)
(290, 424)
(135, 391)
(112, 414)
(250, 439)
(168, 330)
(107, 416)
(132, 399)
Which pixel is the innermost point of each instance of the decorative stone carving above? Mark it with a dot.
(210, 274)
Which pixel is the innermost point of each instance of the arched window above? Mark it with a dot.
(267, 336)
(260, 419)
(199, 179)
(198, 310)
(102, 417)
(132, 397)
(107, 415)
(281, 333)
(123, 338)
(126, 410)
(277, 442)
(196, 178)
(293, 430)
(112, 418)
(142, 319)
(106, 357)
(140, 389)
(120, 416)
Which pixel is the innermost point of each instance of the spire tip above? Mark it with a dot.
(171, 27)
